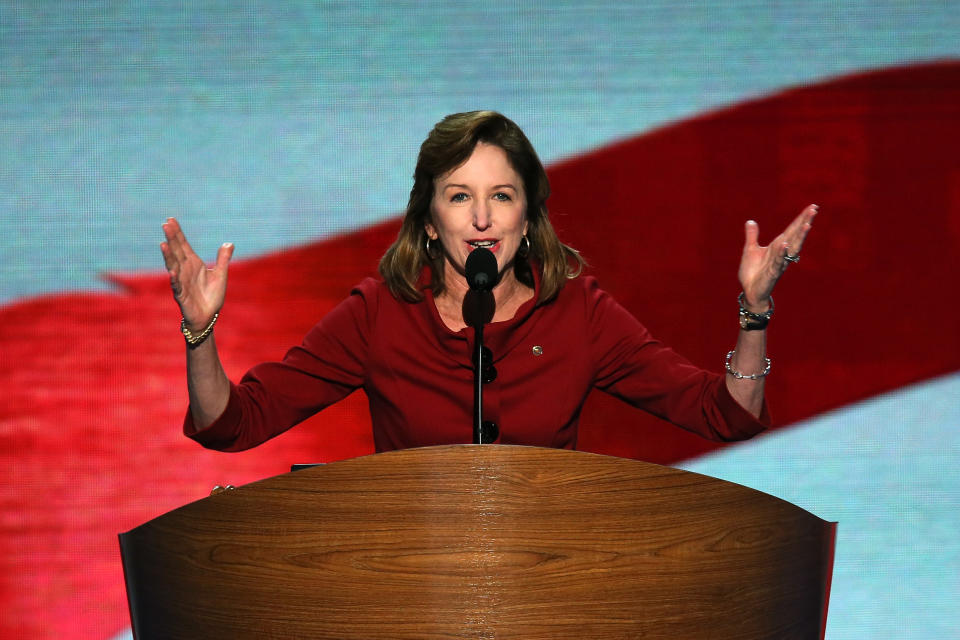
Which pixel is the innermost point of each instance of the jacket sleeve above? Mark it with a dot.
(633, 366)
(272, 397)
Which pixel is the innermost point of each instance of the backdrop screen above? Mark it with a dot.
(291, 129)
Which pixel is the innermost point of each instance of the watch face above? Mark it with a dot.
(747, 324)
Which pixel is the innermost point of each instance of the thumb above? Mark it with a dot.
(751, 231)
(224, 253)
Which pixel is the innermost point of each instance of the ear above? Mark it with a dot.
(431, 231)
(526, 226)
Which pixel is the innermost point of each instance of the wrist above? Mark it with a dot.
(758, 307)
(743, 376)
(197, 324)
(754, 317)
(193, 337)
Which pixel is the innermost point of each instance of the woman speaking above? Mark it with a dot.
(407, 339)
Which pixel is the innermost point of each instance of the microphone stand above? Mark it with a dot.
(481, 273)
(478, 366)
(477, 305)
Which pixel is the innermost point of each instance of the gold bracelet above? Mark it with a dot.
(193, 341)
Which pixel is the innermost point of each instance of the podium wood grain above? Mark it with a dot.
(481, 542)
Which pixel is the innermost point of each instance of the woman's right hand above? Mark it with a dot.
(198, 290)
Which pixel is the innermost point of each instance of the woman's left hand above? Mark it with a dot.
(761, 267)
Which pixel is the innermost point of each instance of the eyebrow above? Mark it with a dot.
(463, 186)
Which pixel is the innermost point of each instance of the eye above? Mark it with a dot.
(502, 197)
(458, 197)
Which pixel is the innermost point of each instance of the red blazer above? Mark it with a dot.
(418, 375)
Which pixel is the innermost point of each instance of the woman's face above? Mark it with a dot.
(481, 203)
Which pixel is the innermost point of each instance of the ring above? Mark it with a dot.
(792, 259)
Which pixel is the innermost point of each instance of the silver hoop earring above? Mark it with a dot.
(524, 249)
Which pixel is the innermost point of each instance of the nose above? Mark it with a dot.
(481, 215)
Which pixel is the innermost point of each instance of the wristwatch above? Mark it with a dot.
(750, 321)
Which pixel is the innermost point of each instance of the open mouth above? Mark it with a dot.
(482, 244)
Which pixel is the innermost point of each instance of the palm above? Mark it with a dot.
(761, 267)
(199, 291)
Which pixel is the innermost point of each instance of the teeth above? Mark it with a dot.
(483, 243)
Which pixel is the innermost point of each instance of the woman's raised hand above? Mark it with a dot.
(198, 290)
(761, 267)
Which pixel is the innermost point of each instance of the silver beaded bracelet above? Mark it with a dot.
(740, 376)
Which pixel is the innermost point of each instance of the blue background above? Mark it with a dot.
(270, 124)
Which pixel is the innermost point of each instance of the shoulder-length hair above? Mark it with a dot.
(449, 145)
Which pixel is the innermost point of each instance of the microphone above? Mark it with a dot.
(482, 275)
(481, 268)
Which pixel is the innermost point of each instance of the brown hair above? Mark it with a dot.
(450, 144)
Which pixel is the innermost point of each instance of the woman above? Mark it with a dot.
(554, 336)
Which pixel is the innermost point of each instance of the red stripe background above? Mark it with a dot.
(93, 391)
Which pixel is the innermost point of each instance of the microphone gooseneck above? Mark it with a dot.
(482, 275)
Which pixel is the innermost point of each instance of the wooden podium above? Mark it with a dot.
(482, 541)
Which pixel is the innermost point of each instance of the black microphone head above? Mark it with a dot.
(481, 269)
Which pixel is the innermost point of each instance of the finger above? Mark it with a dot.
(174, 257)
(182, 248)
(780, 263)
(751, 232)
(171, 229)
(168, 259)
(167, 247)
(803, 217)
(796, 244)
(173, 233)
(224, 253)
(173, 268)
(178, 241)
(811, 213)
(797, 232)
